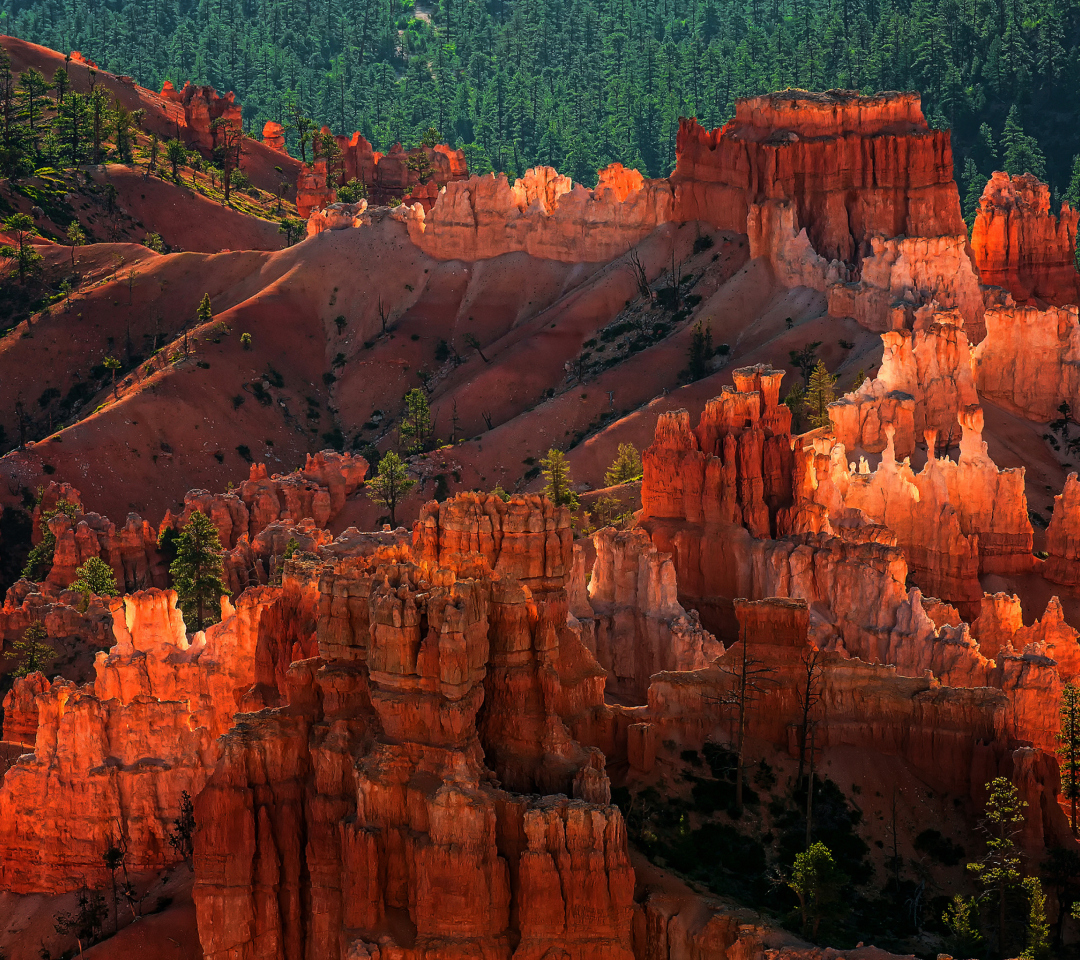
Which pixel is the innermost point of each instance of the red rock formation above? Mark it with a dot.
(75, 632)
(337, 216)
(417, 174)
(21, 710)
(419, 831)
(273, 135)
(1063, 537)
(543, 214)
(317, 493)
(1020, 245)
(202, 107)
(735, 467)
(635, 623)
(902, 274)
(956, 737)
(313, 189)
(1029, 362)
(121, 751)
(954, 519)
(924, 382)
(854, 168)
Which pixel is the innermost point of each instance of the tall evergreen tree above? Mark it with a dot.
(197, 571)
(33, 652)
(415, 422)
(557, 487)
(819, 394)
(999, 869)
(1069, 748)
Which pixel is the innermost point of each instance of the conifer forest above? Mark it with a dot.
(579, 83)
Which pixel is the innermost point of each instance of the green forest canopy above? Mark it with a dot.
(580, 83)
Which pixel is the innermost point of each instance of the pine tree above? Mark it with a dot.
(75, 237)
(175, 154)
(72, 126)
(122, 122)
(415, 422)
(33, 652)
(94, 576)
(818, 883)
(390, 485)
(819, 395)
(101, 118)
(795, 401)
(203, 316)
(961, 920)
(1038, 929)
(626, 467)
(27, 260)
(999, 869)
(112, 364)
(197, 571)
(557, 474)
(1021, 152)
(33, 88)
(701, 351)
(1072, 192)
(205, 313)
(974, 184)
(1069, 747)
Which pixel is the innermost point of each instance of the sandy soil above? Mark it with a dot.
(166, 929)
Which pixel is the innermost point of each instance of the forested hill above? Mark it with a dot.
(579, 83)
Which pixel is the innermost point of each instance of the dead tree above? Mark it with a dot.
(749, 679)
(809, 697)
(641, 278)
(676, 283)
(230, 138)
(473, 342)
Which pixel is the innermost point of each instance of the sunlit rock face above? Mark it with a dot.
(852, 168)
(1020, 245)
(457, 674)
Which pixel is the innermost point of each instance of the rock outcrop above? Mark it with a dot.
(117, 754)
(636, 625)
(76, 627)
(273, 135)
(1063, 537)
(1020, 245)
(379, 759)
(1029, 362)
(924, 382)
(852, 167)
(415, 176)
(734, 467)
(543, 214)
(954, 519)
(902, 274)
(203, 107)
(254, 524)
